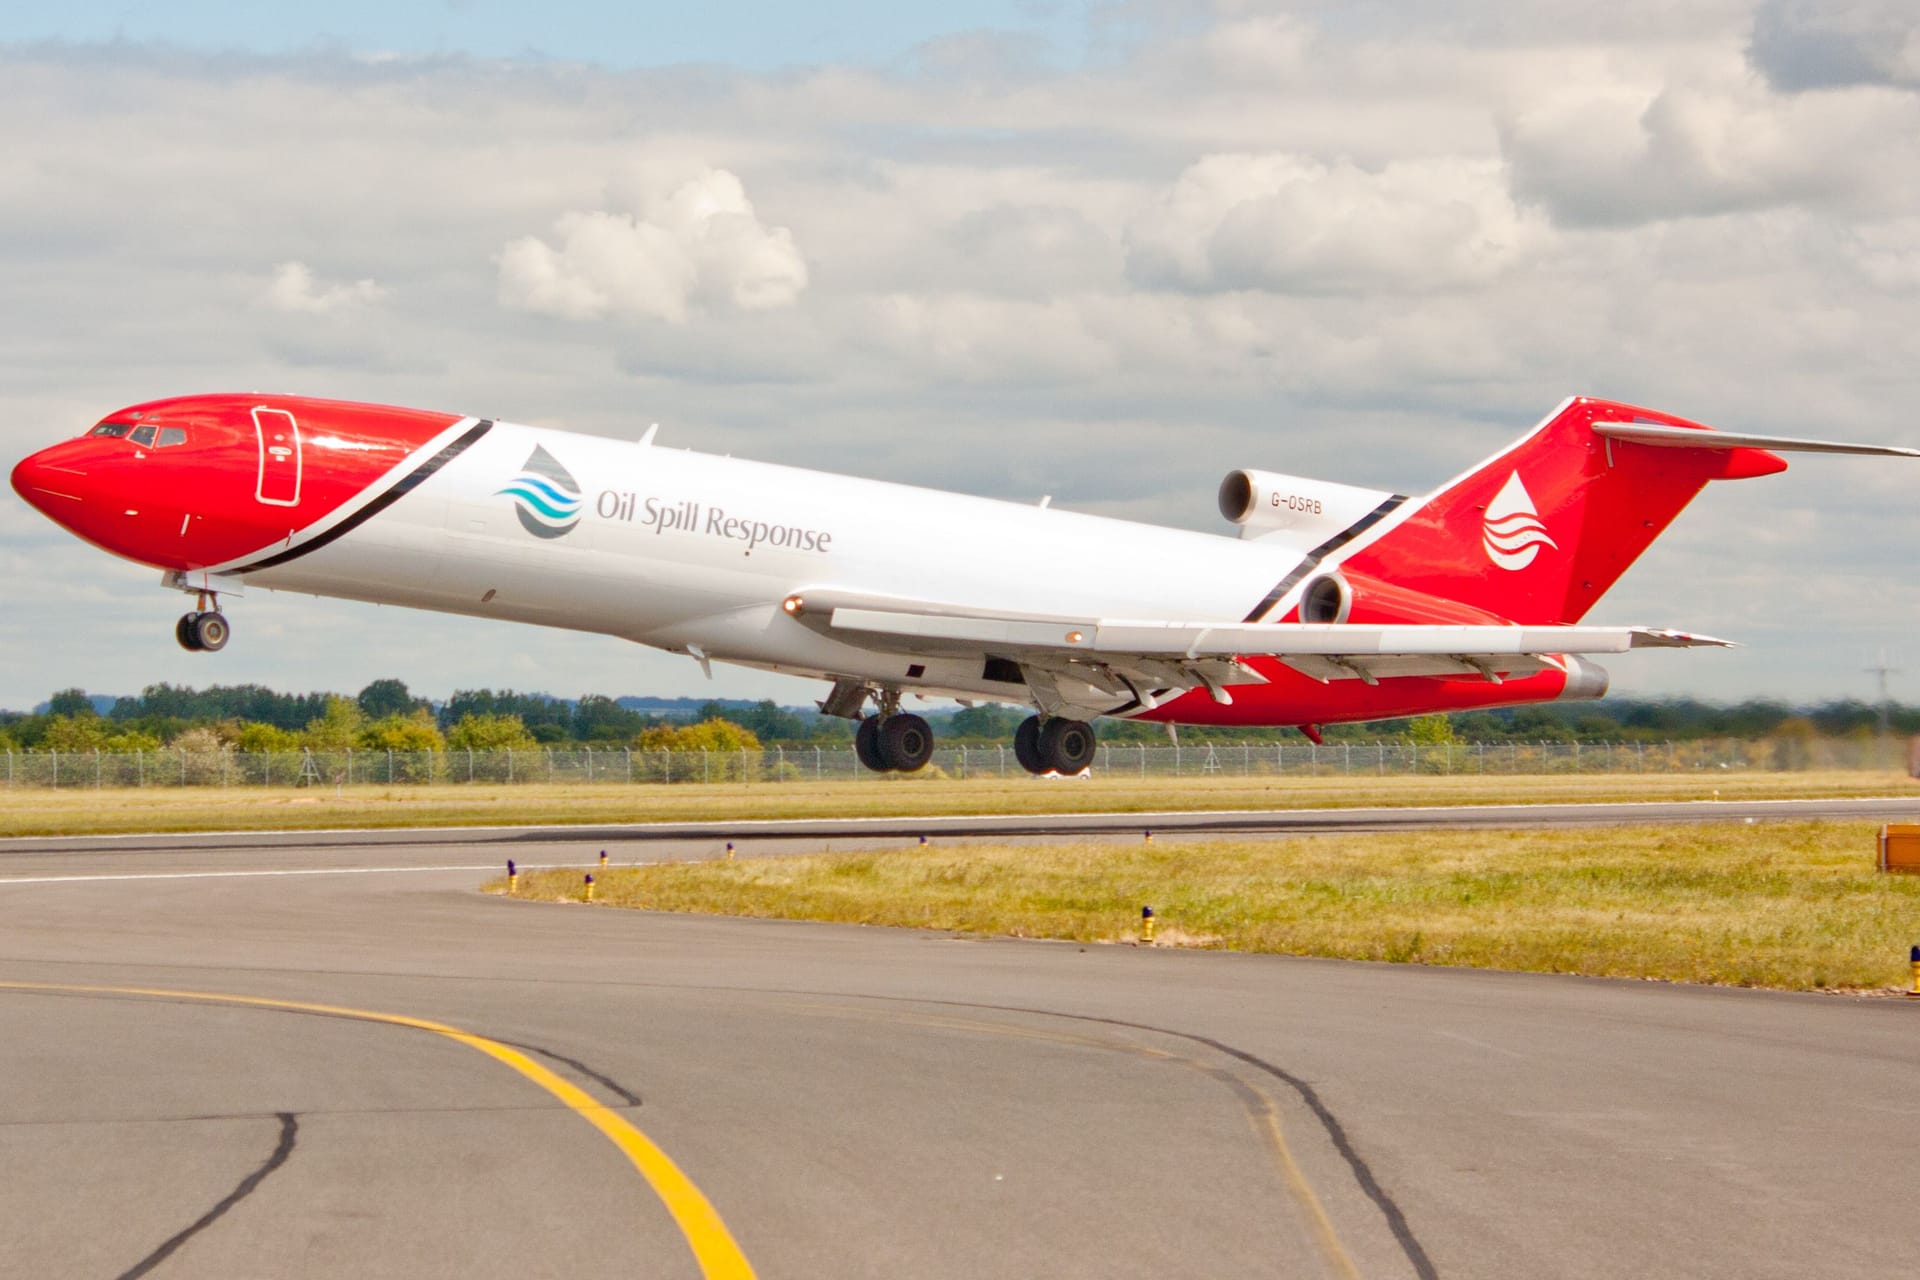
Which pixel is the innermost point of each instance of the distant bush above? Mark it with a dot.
(413, 745)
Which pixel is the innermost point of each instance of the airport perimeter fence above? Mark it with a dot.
(177, 768)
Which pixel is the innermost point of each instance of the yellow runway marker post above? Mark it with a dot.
(713, 1246)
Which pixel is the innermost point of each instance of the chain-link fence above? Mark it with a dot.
(179, 768)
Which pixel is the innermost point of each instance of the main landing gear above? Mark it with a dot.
(1053, 744)
(205, 629)
(897, 743)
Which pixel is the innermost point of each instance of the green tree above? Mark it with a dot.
(534, 709)
(203, 756)
(71, 703)
(712, 734)
(336, 728)
(476, 732)
(258, 739)
(74, 733)
(1430, 731)
(989, 722)
(1792, 743)
(131, 740)
(766, 719)
(1432, 738)
(384, 698)
(165, 702)
(598, 718)
(717, 744)
(413, 742)
(415, 731)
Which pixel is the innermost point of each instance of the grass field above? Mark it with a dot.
(81, 810)
(1791, 905)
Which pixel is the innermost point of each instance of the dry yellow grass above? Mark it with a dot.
(83, 810)
(1794, 905)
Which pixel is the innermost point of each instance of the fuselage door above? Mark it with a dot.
(279, 435)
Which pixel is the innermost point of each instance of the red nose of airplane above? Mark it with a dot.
(29, 480)
(52, 482)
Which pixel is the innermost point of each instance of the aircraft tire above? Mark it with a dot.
(866, 745)
(1067, 745)
(1026, 746)
(210, 631)
(183, 632)
(906, 743)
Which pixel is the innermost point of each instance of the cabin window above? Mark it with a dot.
(172, 436)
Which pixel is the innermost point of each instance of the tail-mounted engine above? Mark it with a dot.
(1265, 503)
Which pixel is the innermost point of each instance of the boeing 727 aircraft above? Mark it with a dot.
(1334, 603)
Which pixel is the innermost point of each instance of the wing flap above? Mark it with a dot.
(1194, 640)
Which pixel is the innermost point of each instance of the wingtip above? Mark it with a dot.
(1668, 638)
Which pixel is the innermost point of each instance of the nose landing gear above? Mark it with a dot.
(205, 629)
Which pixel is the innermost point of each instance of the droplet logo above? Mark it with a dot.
(546, 497)
(1513, 533)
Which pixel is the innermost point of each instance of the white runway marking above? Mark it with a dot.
(303, 871)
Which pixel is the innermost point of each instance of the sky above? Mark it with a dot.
(1107, 252)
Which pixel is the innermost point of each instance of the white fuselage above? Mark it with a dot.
(683, 551)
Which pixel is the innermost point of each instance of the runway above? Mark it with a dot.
(790, 834)
(867, 1102)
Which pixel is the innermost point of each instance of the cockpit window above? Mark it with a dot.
(111, 429)
(172, 435)
(144, 434)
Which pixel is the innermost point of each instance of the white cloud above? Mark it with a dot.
(1292, 223)
(294, 289)
(1644, 144)
(1370, 245)
(699, 243)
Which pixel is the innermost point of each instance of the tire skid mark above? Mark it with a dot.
(1336, 1132)
(605, 1081)
(289, 1134)
(1258, 1104)
(714, 1250)
(1261, 1109)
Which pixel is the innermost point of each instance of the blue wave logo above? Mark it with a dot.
(546, 497)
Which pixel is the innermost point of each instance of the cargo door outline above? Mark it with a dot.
(278, 482)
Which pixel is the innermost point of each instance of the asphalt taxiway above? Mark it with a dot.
(320, 1055)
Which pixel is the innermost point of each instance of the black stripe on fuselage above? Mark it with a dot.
(1321, 552)
(405, 485)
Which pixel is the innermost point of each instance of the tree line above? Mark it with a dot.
(386, 715)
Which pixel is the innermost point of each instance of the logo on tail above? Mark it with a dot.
(546, 497)
(1513, 534)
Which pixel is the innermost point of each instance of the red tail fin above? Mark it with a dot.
(1541, 530)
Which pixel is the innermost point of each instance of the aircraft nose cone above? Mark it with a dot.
(47, 487)
(28, 475)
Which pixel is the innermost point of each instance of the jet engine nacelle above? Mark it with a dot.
(1266, 502)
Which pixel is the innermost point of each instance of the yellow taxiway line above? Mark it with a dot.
(713, 1245)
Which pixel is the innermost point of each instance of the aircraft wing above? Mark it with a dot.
(1137, 654)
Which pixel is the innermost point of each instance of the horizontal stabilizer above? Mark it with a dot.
(1689, 438)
